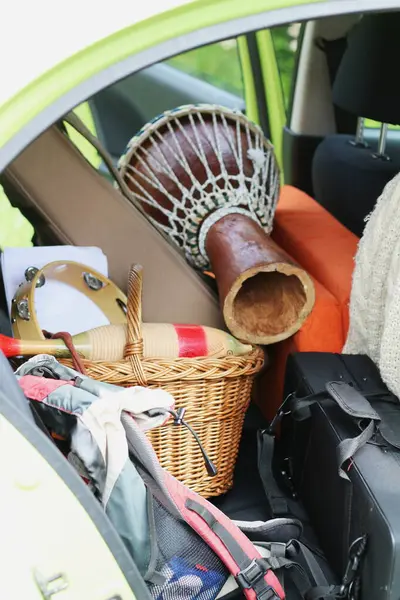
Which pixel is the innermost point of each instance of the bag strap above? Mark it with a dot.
(357, 407)
(311, 562)
(353, 404)
(308, 579)
(280, 503)
(253, 573)
(277, 501)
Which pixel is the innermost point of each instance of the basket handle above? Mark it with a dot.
(134, 339)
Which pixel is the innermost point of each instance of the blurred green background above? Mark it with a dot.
(218, 64)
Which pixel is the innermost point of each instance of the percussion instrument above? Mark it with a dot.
(160, 340)
(208, 179)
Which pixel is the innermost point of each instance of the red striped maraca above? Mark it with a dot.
(159, 341)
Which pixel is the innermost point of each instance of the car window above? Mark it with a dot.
(375, 125)
(15, 229)
(217, 64)
(211, 74)
(285, 39)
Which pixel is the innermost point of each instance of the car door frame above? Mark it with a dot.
(264, 96)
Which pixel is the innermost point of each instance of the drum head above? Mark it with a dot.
(195, 164)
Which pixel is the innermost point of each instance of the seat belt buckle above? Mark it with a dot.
(249, 577)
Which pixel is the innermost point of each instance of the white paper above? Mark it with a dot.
(59, 307)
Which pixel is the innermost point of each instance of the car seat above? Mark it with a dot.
(322, 235)
(326, 249)
(348, 177)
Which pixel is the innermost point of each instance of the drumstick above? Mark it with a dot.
(160, 340)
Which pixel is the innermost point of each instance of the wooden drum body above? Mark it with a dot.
(208, 179)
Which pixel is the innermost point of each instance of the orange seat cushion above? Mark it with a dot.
(321, 332)
(318, 242)
(326, 250)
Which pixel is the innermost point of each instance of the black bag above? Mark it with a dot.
(339, 450)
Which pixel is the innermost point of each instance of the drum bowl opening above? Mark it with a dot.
(269, 303)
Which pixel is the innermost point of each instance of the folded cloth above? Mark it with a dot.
(136, 401)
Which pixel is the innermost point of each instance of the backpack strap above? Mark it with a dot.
(274, 530)
(254, 574)
(296, 561)
(305, 574)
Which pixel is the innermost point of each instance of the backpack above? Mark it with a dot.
(183, 546)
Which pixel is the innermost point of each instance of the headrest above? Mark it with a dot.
(366, 84)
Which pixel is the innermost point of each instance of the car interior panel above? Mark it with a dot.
(58, 199)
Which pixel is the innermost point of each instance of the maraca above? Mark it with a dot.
(159, 341)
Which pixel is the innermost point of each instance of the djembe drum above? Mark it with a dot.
(207, 177)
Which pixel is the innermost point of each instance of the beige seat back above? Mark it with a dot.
(84, 209)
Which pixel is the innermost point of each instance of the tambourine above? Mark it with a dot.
(104, 294)
(108, 342)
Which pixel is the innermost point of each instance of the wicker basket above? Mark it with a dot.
(214, 391)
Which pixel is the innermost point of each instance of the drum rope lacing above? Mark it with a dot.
(201, 204)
